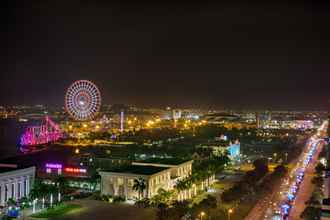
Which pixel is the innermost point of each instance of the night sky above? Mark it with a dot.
(228, 55)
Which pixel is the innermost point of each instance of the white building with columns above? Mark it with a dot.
(156, 176)
(15, 182)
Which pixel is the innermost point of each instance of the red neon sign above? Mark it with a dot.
(74, 170)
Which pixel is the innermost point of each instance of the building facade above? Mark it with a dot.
(15, 183)
(156, 176)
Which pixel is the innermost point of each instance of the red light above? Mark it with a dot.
(74, 170)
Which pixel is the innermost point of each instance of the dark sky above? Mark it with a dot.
(234, 54)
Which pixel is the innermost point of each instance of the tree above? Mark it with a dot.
(184, 184)
(94, 180)
(210, 202)
(139, 186)
(280, 170)
(38, 190)
(61, 183)
(311, 213)
(11, 202)
(162, 196)
(261, 167)
(318, 181)
(319, 168)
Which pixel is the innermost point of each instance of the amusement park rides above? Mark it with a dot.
(82, 103)
(47, 132)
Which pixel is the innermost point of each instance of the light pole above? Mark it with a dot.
(286, 157)
(34, 205)
(202, 215)
(230, 211)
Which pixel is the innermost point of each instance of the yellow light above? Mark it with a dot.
(70, 127)
(77, 151)
(230, 211)
(97, 126)
(135, 118)
(202, 213)
(85, 125)
(129, 122)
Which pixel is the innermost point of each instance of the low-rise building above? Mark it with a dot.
(15, 183)
(159, 175)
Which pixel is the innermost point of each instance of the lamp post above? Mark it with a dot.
(202, 214)
(286, 157)
(34, 205)
(230, 211)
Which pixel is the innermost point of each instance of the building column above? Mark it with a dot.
(22, 188)
(17, 190)
(115, 189)
(27, 189)
(9, 187)
(2, 192)
(125, 188)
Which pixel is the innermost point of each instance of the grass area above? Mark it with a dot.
(222, 185)
(56, 211)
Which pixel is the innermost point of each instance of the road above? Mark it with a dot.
(271, 203)
(306, 188)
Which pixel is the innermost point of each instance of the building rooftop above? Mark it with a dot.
(4, 168)
(167, 161)
(7, 169)
(137, 169)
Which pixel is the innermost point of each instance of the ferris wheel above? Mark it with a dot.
(83, 100)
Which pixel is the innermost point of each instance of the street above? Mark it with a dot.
(270, 206)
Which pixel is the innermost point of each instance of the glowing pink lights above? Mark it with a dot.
(43, 134)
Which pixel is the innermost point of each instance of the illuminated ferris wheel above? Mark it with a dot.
(83, 100)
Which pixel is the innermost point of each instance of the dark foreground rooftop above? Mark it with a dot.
(136, 169)
(167, 161)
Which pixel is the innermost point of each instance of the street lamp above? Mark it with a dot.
(230, 211)
(202, 215)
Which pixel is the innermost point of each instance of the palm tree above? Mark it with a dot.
(40, 190)
(95, 180)
(139, 186)
(61, 184)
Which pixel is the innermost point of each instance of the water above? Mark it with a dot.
(10, 131)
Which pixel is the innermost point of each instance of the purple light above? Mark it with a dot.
(45, 133)
(54, 165)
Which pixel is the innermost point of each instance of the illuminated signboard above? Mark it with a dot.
(74, 170)
(54, 165)
(59, 167)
